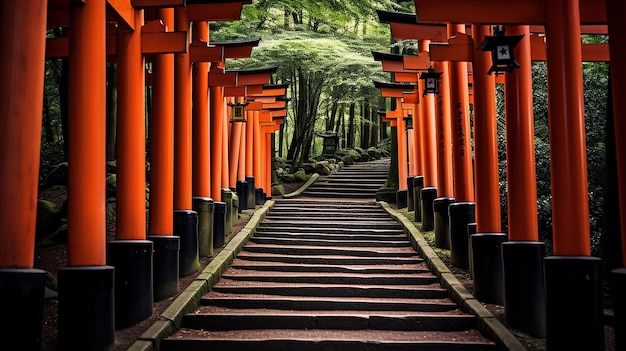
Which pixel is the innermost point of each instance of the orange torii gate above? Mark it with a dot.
(211, 217)
(398, 118)
(86, 294)
(572, 276)
(267, 104)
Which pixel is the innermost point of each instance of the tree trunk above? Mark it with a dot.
(47, 120)
(351, 127)
(374, 127)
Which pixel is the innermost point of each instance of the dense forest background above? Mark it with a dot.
(323, 49)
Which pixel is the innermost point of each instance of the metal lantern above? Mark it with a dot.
(501, 47)
(431, 81)
(409, 121)
(238, 112)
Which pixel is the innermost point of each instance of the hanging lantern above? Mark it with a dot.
(409, 121)
(501, 47)
(431, 81)
(237, 112)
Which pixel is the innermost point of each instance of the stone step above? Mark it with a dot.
(298, 222)
(328, 260)
(392, 230)
(220, 318)
(297, 303)
(330, 237)
(321, 340)
(327, 242)
(330, 278)
(317, 217)
(379, 252)
(330, 290)
(239, 263)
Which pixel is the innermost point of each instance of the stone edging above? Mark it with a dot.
(170, 320)
(488, 324)
(305, 186)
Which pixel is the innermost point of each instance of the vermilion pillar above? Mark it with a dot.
(201, 121)
(217, 139)
(429, 137)
(258, 175)
(131, 254)
(86, 298)
(201, 151)
(225, 156)
(570, 211)
(23, 28)
(182, 118)
(243, 157)
(21, 105)
(161, 218)
(417, 160)
(572, 276)
(234, 146)
(486, 141)
(131, 135)
(162, 139)
(459, 109)
(520, 147)
(268, 163)
(523, 254)
(443, 126)
(402, 151)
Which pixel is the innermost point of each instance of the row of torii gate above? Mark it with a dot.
(556, 297)
(196, 156)
(193, 158)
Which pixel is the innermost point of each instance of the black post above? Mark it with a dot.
(418, 185)
(442, 221)
(461, 214)
(428, 196)
(487, 272)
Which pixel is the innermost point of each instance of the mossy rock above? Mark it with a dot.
(364, 158)
(300, 176)
(58, 176)
(289, 178)
(278, 189)
(111, 207)
(111, 167)
(374, 153)
(48, 219)
(360, 151)
(347, 160)
(308, 168)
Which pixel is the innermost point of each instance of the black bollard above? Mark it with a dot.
(486, 260)
(461, 214)
(574, 314)
(186, 228)
(410, 202)
(134, 297)
(251, 193)
(442, 221)
(205, 209)
(219, 225)
(21, 308)
(418, 185)
(428, 196)
(401, 198)
(524, 286)
(227, 197)
(259, 196)
(242, 192)
(86, 308)
(165, 262)
(471, 230)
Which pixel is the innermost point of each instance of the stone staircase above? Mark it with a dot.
(327, 275)
(360, 180)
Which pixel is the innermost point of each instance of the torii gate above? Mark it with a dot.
(86, 286)
(571, 272)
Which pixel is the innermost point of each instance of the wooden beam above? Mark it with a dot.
(590, 52)
(418, 31)
(163, 43)
(412, 62)
(459, 48)
(406, 77)
(123, 12)
(525, 12)
(200, 52)
(217, 77)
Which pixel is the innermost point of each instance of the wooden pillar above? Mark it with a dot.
(444, 137)
(568, 164)
(268, 163)
(520, 147)
(21, 106)
(485, 139)
(225, 156)
(182, 120)
(201, 121)
(86, 242)
(429, 137)
(162, 139)
(462, 151)
(234, 147)
(217, 137)
(23, 28)
(573, 278)
(402, 150)
(86, 295)
(258, 177)
(131, 135)
(243, 159)
(250, 143)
